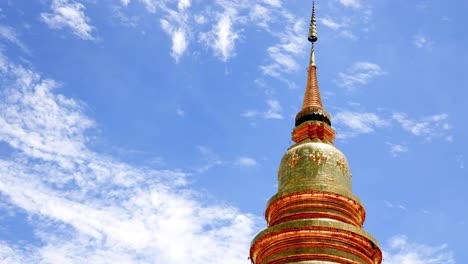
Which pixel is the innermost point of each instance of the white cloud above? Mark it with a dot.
(428, 127)
(125, 2)
(396, 149)
(360, 73)
(228, 25)
(247, 162)
(90, 208)
(284, 55)
(151, 5)
(330, 23)
(184, 4)
(421, 41)
(348, 34)
(401, 251)
(71, 15)
(339, 26)
(200, 19)
(179, 39)
(273, 112)
(222, 37)
(225, 38)
(351, 3)
(261, 15)
(355, 123)
(10, 35)
(220, 26)
(275, 3)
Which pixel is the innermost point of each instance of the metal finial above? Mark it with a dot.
(313, 36)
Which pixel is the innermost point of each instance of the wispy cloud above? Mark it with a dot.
(275, 3)
(356, 123)
(397, 149)
(175, 22)
(220, 24)
(290, 47)
(178, 37)
(246, 162)
(125, 2)
(273, 112)
(184, 4)
(421, 41)
(397, 206)
(342, 27)
(209, 159)
(400, 250)
(427, 127)
(91, 208)
(348, 34)
(223, 37)
(69, 14)
(331, 23)
(352, 123)
(351, 3)
(9, 34)
(360, 73)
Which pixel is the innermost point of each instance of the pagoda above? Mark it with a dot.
(314, 217)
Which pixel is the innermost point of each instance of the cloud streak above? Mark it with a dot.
(10, 35)
(273, 112)
(360, 73)
(356, 123)
(402, 251)
(397, 149)
(428, 127)
(91, 208)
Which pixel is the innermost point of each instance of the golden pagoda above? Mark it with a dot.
(315, 217)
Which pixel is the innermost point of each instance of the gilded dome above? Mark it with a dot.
(316, 166)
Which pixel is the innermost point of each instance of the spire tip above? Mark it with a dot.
(313, 36)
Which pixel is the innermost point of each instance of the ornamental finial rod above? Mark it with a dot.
(313, 35)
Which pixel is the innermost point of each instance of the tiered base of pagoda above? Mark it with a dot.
(314, 241)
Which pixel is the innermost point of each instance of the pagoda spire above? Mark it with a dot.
(312, 97)
(313, 121)
(314, 217)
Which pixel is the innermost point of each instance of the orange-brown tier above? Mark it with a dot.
(315, 205)
(301, 241)
(313, 130)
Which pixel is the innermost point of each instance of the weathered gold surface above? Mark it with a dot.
(300, 172)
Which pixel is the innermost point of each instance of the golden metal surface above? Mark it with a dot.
(313, 36)
(312, 97)
(302, 172)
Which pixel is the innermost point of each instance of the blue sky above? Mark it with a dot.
(150, 131)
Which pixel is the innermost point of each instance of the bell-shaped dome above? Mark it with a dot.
(314, 166)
